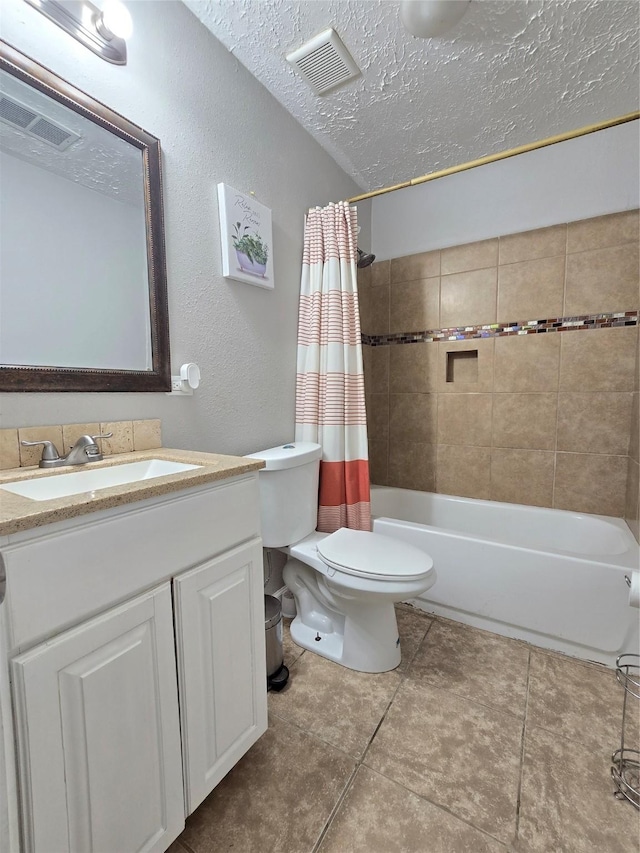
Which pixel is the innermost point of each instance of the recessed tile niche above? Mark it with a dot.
(462, 366)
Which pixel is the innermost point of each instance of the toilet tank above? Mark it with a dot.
(288, 492)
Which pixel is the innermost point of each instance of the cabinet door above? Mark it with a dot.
(98, 734)
(221, 665)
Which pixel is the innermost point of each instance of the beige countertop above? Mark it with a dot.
(19, 513)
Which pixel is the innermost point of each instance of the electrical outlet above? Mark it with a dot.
(179, 388)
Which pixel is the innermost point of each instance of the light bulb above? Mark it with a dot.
(430, 18)
(116, 20)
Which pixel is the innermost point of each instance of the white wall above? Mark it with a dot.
(44, 286)
(216, 123)
(584, 177)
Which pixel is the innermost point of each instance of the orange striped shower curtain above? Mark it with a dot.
(330, 380)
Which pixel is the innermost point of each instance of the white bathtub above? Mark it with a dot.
(553, 578)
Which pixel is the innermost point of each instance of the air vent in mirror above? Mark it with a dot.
(17, 115)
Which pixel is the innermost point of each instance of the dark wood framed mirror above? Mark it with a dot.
(83, 288)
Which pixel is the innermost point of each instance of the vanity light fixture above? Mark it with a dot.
(101, 30)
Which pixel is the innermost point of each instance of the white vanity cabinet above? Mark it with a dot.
(219, 608)
(135, 648)
(98, 730)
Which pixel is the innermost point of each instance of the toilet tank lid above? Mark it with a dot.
(288, 455)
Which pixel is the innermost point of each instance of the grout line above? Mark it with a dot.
(440, 807)
(312, 735)
(382, 719)
(522, 747)
(335, 809)
(360, 761)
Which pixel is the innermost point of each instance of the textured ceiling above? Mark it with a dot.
(98, 160)
(511, 72)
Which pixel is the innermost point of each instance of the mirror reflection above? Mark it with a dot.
(83, 290)
(74, 284)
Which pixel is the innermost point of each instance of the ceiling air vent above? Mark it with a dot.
(324, 62)
(17, 115)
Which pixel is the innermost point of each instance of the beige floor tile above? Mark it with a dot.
(456, 753)
(291, 651)
(379, 816)
(566, 803)
(412, 628)
(338, 705)
(581, 702)
(474, 664)
(275, 800)
(177, 847)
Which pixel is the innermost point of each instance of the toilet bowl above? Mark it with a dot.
(346, 583)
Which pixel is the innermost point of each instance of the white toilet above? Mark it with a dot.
(345, 583)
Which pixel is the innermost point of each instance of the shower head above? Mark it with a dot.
(365, 260)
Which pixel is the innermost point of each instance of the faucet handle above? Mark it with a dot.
(49, 451)
(104, 435)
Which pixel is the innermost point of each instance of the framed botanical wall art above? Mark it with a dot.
(247, 240)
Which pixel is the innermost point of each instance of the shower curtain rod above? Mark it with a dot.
(502, 155)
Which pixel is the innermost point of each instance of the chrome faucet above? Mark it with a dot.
(84, 450)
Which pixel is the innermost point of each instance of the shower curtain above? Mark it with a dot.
(330, 407)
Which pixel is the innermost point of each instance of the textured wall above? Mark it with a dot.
(216, 123)
(542, 418)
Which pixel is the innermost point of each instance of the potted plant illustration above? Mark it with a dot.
(251, 252)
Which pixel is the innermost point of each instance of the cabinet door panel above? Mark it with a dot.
(221, 662)
(99, 734)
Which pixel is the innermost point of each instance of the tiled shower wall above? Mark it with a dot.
(632, 508)
(542, 418)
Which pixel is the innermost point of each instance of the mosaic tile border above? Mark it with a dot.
(499, 330)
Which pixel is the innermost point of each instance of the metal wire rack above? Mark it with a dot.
(626, 761)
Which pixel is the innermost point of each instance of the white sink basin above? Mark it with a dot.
(64, 484)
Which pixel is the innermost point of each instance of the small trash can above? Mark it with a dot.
(277, 672)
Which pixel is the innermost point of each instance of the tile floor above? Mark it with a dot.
(475, 744)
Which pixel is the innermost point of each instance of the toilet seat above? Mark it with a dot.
(372, 555)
